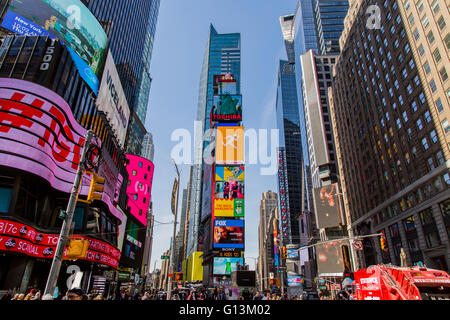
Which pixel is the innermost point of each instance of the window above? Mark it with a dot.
(419, 124)
(411, 19)
(421, 50)
(411, 64)
(427, 68)
(443, 74)
(433, 136)
(440, 157)
(409, 89)
(140, 164)
(437, 55)
(416, 34)
(435, 6)
(441, 23)
(430, 162)
(447, 41)
(427, 116)
(439, 105)
(445, 126)
(410, 224)
(425, 144)
(134, 173)
(414, 106)
(417, 80)
(430, 37)
(433, 86)
(425, 22)
(405, 73)
(405, 117)
(419, 6)
(422, 98)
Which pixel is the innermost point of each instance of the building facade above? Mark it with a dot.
(266, 258)
(386, 120)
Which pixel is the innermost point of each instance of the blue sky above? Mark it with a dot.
(179, 48)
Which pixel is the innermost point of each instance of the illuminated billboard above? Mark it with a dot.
(229, 208)
(227, 108)
(139, 191)
(326, 203)
(71, 22)
(39, 134)
(230, 145)
(329, 258)
(224, 84)
(225, 266)
(228, 233)
(112, 101)
(294, 280)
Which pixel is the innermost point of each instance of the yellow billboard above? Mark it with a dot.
(195, 267)
(230, 145)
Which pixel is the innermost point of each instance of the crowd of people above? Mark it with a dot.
(202, 293)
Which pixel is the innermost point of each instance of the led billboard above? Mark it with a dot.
(224, 84)
(227, 108)
(225, 266)
(294, 280)
(69, 21)
(228, 233)
(329, 258)
(230, 145)
(229, 208)
(112, 101)
(327, 206)
(39, 134)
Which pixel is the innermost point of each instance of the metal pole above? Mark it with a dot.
(65, 229)
(172, 254)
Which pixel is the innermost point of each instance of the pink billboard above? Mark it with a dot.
(39, 134)
(139, 190)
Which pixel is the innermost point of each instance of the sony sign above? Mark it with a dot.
(112, 101)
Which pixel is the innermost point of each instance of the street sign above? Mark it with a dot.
(357, 245)
(165, 257)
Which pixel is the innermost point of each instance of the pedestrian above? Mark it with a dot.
(7, 296)
(257, 296)
(37, 296)
(99, 297)
(76, 294)
(21, 296)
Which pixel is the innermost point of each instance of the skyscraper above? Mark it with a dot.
(392, 146)
(222, 56)
(148, 148)
(131, 26)
(266, 258)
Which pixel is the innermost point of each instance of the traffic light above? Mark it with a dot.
(178, 276)
(77, 249)
(95, 190)
(284, 253)
(383, 242)
(348, 274)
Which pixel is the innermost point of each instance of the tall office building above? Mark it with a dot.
(148, 148)
(131, 26)
(390, 138)
(266, 257)
(329, 17)
(222, 56)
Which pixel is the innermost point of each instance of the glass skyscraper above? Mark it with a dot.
(222, 56)
(130, 26)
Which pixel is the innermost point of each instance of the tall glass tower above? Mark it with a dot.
(222, 56)
(130, 26)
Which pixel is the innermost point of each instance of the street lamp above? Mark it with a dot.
(172, 254)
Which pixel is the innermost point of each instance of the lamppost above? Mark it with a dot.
(172, 253)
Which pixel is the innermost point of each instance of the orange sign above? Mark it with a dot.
(230, 145)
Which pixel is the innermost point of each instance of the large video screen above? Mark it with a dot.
(326, 202)
(69, 21)
(229, 182)
(228, 233)
(227, 108)
(225, 266)
(330, 258)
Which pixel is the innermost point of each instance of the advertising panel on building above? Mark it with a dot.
(225, 266)
(230, 145)
(133, 244)
(329, 256)
(24, 239)
(139, 190)
(224, 84)
(207, 193)
(38, 134)
(227, 108)
(294, 280)
(69, 21)
(228, 233)
(112, 101)
(229, 191)
(326, 203)
(284, 197)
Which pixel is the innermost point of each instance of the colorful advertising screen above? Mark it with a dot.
(227, 108)
(228, 233)
(229, 182)
(229, 208)
(294, 280)
(230, 145)
(326, 203)
(225, 84)
(69, 21)
(112, 101)
(140, 171)
(39, 134)
(225, 266)
(21, 238)
(329, 258)
(292, 254)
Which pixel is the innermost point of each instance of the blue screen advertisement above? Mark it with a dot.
(225, 266)
(69, 21)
